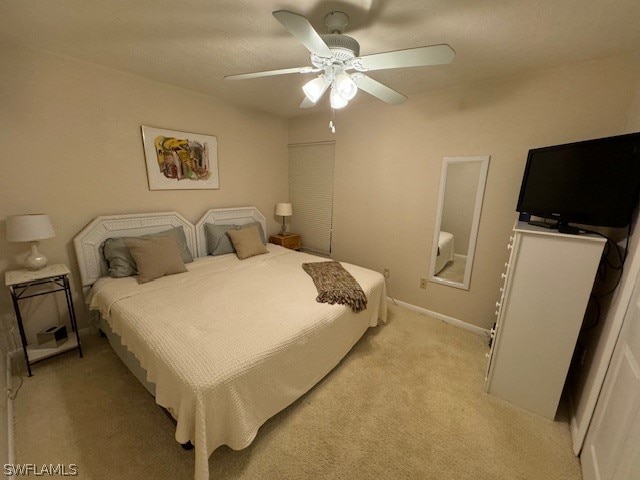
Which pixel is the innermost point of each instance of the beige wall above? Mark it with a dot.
(71, 147)
(388, 162)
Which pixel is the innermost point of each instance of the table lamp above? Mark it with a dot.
(30, 228)
(284, 210)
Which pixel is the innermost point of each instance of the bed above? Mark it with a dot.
(229, 343)
(446, 250)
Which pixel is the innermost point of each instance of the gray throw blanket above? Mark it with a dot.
(336, 285)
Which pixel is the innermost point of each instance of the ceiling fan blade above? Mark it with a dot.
(268, 73)
(306, 103)
(378, 90)
(412, 57)
(300, 28)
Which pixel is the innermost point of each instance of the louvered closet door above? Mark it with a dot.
(311, 194)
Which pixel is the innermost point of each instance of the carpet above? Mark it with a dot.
(454, 271)
(406, 403)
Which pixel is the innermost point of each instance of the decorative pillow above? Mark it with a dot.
(120, 262)
(219, 243)
(155, 257)
(247, 242)
(259, 225)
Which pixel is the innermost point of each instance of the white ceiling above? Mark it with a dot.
(195, 43)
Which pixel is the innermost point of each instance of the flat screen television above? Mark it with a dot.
(594, 182)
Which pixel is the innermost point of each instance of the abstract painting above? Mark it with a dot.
(179, 160)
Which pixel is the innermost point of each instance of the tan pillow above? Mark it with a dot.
(155, 257)
(247, 242)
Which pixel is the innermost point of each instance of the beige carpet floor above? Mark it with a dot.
(454, 271)
(406, 403)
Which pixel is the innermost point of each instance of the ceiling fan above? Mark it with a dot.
(335, 57)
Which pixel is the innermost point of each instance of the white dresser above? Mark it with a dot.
(547, 283)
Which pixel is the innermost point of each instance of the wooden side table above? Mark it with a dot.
(56, 279)
(288, 240)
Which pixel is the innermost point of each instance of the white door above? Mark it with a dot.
(612, 446)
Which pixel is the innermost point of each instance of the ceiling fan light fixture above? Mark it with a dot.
(314, 89)
(337, 101)
(345, 86)
(335, 53)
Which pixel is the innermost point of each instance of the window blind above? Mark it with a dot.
(311, 194)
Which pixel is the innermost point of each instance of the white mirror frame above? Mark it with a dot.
(482, 180)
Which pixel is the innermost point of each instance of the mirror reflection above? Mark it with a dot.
(458, 215)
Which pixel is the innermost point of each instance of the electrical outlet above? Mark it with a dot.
(386, 273)
(423, 283)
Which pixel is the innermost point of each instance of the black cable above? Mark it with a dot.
(596, 302)
(607, 250)
(605, 262)
(623, 259)
(602, 271)
(602, 295)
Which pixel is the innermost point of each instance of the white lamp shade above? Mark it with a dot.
(337, 100)
(314, 89)
(29, 228)
(284, 209)
(345, 86)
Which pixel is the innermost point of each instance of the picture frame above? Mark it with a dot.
(180, 160)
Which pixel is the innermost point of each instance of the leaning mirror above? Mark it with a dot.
(458, 215)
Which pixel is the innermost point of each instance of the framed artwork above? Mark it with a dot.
(180, 160)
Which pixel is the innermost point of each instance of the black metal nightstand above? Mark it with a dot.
(56, 278)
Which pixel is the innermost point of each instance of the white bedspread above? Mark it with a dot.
(446, 250)
(230, 343)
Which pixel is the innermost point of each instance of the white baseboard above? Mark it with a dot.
(445, 318)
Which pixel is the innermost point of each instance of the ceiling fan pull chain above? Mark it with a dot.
(332, 127)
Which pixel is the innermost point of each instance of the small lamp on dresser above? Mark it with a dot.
(284, 210)
(30, 228)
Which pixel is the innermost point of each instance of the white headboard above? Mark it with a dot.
(88, 242)
(226, 216)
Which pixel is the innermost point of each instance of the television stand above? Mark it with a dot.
(568, 229)
(562, 227)
(542, 223)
